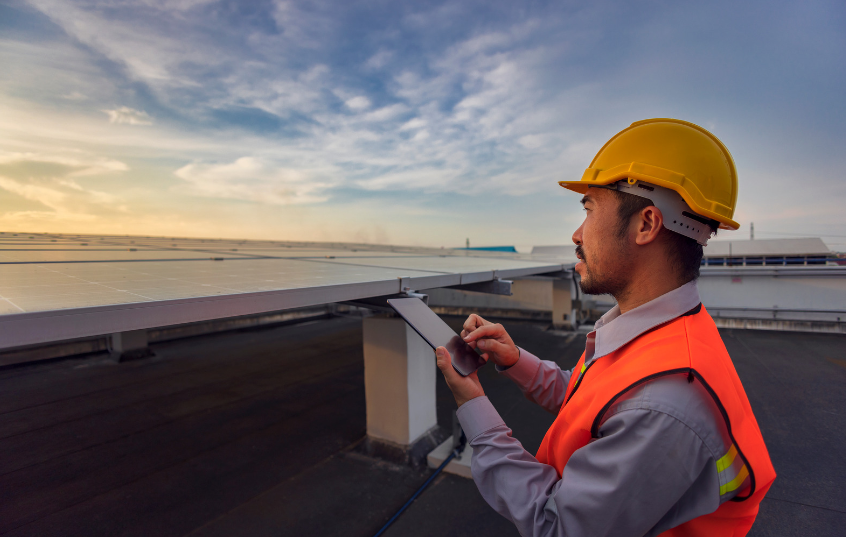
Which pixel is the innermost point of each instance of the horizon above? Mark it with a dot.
(521, 248)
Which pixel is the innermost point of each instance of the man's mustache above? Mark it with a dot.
(581, 253)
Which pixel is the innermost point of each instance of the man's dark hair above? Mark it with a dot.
(686, 253)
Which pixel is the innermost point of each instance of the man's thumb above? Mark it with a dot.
(443, 360)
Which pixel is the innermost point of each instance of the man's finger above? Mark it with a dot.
(494, 346)
(471, 323)
(444, 361)
(490, 330)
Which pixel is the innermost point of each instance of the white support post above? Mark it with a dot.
(563, 315)
(129, 345)
(399, 382)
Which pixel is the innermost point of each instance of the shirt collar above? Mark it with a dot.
(613, 330)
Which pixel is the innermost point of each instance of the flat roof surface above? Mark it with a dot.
(55, 287)
(254, 433)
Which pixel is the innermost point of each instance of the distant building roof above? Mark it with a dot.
(764, 247)
(510, 249)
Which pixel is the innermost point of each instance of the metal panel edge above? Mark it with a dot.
(477, 277)
(415, 283)
(528, 271)
(44, 327)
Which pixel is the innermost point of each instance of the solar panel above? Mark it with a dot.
(56, 287)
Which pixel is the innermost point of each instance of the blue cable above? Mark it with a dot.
(452, 455)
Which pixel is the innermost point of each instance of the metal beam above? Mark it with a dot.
(492, 287)
(380, 303)
(565, 274)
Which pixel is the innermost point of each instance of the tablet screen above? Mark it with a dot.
(437, 333)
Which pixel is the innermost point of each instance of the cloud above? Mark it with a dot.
(50, 197)
(130, 116)
(253, 179)
(413, 124)
(379, 60)
(77, 164)
(358, 103)
(74, 96)
(387, 112)
(50, 185)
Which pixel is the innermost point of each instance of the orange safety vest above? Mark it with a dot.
(689, 344)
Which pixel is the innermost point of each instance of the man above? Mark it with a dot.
(654, 433)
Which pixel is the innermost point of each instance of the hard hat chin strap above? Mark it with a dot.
(677, 215)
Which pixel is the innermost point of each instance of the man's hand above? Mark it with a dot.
(492, 339)
(463, 388)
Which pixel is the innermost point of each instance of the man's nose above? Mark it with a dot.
(577, 235)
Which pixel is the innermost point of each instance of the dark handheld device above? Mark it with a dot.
(437, 333)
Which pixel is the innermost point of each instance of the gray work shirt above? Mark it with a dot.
(652, 467)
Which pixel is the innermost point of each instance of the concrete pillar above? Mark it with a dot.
(563, 314)
(399, 382)
(129, 345)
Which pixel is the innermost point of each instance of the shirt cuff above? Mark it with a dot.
(477, 416)
(523, 370)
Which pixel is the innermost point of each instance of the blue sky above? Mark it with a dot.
(418, 123)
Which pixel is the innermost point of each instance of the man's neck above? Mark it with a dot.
(645, 287)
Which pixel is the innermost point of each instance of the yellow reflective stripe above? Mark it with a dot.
(736, 482)
(727, 459)
(583, 368)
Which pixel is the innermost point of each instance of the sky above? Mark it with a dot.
(417, 123)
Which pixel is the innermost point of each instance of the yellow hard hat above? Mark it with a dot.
(673, 154)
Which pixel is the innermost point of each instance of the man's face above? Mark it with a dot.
(604, 256)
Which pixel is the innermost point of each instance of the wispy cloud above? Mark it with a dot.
(130, 116)
(358, 102)
(251, 179)
(74, 96)
(76, 164)
(50, 183)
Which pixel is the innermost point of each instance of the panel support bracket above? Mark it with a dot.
(380, 303)
(492, 287)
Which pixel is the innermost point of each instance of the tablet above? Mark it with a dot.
(437, 333)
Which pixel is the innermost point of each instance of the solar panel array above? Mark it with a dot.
(55, 287)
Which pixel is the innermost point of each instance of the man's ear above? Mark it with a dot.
(649, 224)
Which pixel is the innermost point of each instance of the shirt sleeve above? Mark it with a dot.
(541, 381)
(624, 483)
